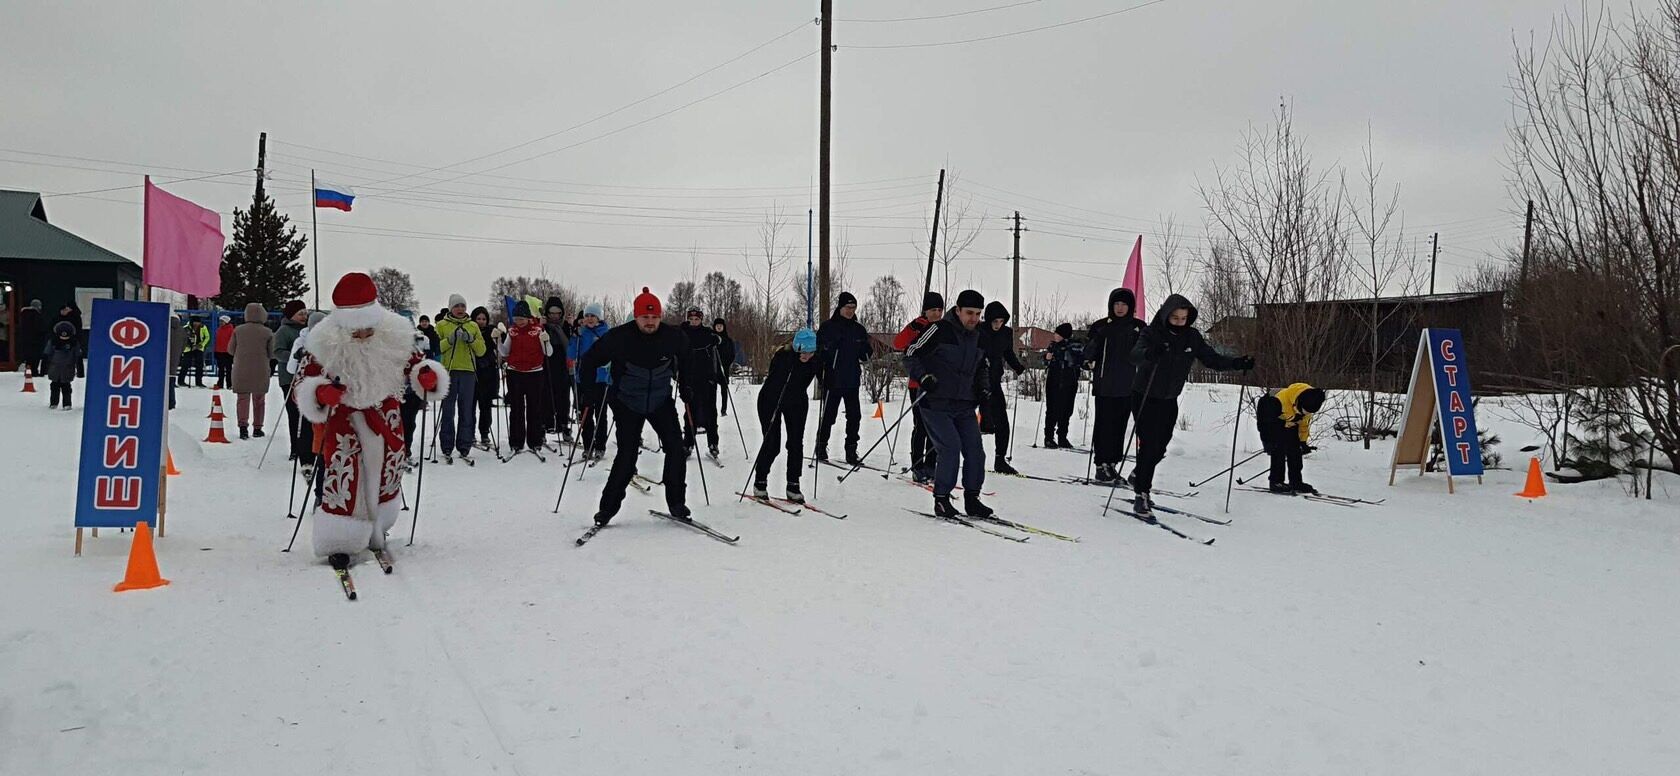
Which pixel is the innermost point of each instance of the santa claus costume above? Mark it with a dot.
(361, 357)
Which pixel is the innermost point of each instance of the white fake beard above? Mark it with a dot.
(372, 369)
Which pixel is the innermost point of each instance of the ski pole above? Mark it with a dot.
(291, 491)
(727, 392)
(606, 432)
(289, 390)
(1125, 450)
(907, 410)
(1254, 476)
(1217, 474)
(894, 442)
(419, 483)
(1043, 399)
(701, 465)
(1242, 395)
(566, 475)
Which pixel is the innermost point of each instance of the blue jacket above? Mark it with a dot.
(580, 344)
(952, 355)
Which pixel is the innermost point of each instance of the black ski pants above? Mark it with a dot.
(594, 408)
(996, 417)
(771, 418)
(923, 456)
(1058, 410)
(559, 403)
(1109, 441)
(1156, 419)
(484, 394)
(664, 422)
(831, 409)
(527, 402)
(701, 404)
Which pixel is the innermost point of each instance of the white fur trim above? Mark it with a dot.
(362, 317)
(442, 376)
(370, 369)
(303, 392)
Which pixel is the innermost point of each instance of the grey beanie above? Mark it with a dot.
(457, 299)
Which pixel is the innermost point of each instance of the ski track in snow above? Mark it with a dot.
(1434, 634)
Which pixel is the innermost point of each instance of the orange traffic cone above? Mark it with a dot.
(28, 380)
(142, 563)
(1536, 487)
(879, 412)
(217, 434)
(215, 405)
(169, 463)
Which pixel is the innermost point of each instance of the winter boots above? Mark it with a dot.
(922, 476)
(244, 431)
(1107, 473)
(793, 493)
(852, 458)
(1304, 489)
(1062, 441)
(942, 507)
(1049, 441)
(602, 518)
(972, 506)
(1143, 508)
(1280, 489)
(1002, 466)
(761, 490)
(257, 432)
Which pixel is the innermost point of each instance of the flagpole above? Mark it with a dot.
(315, 237)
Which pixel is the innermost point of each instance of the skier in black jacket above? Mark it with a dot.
(1108, 354)
(699, 383)
(726, 359)
(1163, 355)
(488, 383)
(1062, 362)
(998, 342)
(555, 372)
(782, 401)
(842, 346)
(951, 369)
(646, 357)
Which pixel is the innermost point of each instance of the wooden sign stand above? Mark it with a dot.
(1422, 413)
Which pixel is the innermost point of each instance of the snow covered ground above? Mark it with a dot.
(1435, 634)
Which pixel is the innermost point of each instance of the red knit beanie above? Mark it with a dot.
(646, 304)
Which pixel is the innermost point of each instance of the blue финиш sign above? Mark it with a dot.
(123, 414)
(1463, 448)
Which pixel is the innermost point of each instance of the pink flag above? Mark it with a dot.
(183, 244)
(1134, 280)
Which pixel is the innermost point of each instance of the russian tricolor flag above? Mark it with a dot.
(335, 197)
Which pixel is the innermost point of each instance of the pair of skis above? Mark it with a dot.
(341, 569)
(515, 454)
(683, 521)
(789, 506)
(1328, 498)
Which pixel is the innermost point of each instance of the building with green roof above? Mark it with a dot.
(39, 260)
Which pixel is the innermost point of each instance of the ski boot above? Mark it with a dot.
(942, 507)
(761, 490)
(339, 561)
(1049, 442)
(972, 506)
(1280, 489)
(602, 518)
(1062, 441)
(922, 476)
(712, 451)
(1303, 488)
(1142, 507)
(681, 512)
(821, 454)
(1002, 466)
(852, 458)
(793, 493)
(1106, 473)
(244, 432)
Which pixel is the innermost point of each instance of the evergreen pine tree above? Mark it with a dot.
(261, 263)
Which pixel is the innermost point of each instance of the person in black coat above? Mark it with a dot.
(1062, 363)
(31, 336)
(700, 381)
(950, 367)
(1163, 355)
(64, 362)
(559, 377)
(488, 382)
(726, 360)
(997, 340)
(842, 345)
(1108, 355)
(646, 357)
(782, 402)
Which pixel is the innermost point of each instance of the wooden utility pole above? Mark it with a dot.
(823, 171)
(1528, 241)
(1434, 251)
(262, 161)
(933, 241)
(1015, 301)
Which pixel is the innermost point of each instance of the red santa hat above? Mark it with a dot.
(646, 304)
(357, 301)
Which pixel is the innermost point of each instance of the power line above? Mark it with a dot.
(610, 113)
(940, 16)
(998, 36)
(609, 133)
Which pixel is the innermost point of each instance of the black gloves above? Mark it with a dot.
(928, 382)
(1243, 363)
(1306, 448)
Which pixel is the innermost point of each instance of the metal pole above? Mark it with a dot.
(824, 144)
(314, 237)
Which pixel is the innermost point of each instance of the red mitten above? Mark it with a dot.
(428, 380)
(330, 395)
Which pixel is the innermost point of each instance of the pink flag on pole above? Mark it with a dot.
(1134, 280)
(183, 244)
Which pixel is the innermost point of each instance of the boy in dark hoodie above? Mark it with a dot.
(842, 347)
(726, 359)
(1108, 355)
(923, 458)
(559, 377)
(1163, 355)
(997, 341)
(63, 361)
(488, 382)
(1062, 362)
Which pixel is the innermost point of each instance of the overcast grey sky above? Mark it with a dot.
(1101, 126)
